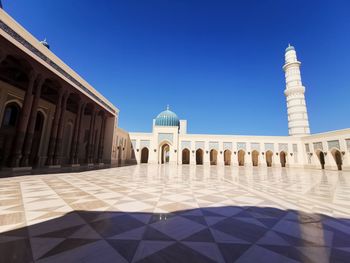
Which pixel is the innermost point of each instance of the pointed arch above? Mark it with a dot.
(283, 158)
(185, 156)
(255, 158)
(338, 158)
(213, 157)
(240, 156)
(320, 156)
(227, 157)
(144, 155)
(199, 156)
(268, 156)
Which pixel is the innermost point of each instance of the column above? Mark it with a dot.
(76, 132)
(93, 156)
(58, 146)
(345, 154)
(80, 135)
(206, 154)
(220, 158)
(248, 156)
(234, 156)
(31, 125)
(101, 142)
(262, 156)
(193, 153)
(17, 146)
(54, 127)
(91, 133)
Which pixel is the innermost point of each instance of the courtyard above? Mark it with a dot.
(169, 213)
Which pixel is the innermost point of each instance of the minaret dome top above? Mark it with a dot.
(289, 48)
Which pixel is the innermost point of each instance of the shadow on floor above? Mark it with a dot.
(64, 169)
(218, 234)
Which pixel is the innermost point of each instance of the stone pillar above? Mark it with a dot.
(31, 125)
(193, 156)
(17, 145)
(80, 135)
(234, 159)
(206, 154)
(54, 127)
(91, 137)
(76, 132)
(101, 142)
(58, 146)
(262, 159)
(248, 156)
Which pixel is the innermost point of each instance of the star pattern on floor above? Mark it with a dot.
(152, 213)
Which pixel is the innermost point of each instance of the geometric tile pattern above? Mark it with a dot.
(151, 213)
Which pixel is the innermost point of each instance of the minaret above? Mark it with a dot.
(298, 122)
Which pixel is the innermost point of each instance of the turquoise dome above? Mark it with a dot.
(44, 43)
(289, 48)
(167, 118)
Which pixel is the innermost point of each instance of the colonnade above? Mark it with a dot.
(19, 122)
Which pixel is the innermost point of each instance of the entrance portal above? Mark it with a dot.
(165, 157)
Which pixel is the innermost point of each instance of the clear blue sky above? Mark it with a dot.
(217, 63)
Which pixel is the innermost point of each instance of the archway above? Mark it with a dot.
(283, 158)
(227, 157)
(268, 156)
(255, 158)
(337, 158)
(39, 124)
(11, 115)
(320, 156)
(144, 155)
(241, 155)
(165, 156)
(213, 157)
(8, 129)
(185, 156)
(199, 156)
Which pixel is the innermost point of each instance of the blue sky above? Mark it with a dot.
(217, 63)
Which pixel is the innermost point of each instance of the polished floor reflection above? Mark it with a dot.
(152, 213)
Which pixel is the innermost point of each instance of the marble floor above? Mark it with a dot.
(151, 213)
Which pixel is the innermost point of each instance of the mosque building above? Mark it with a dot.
(52, 118)
(169, 141)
